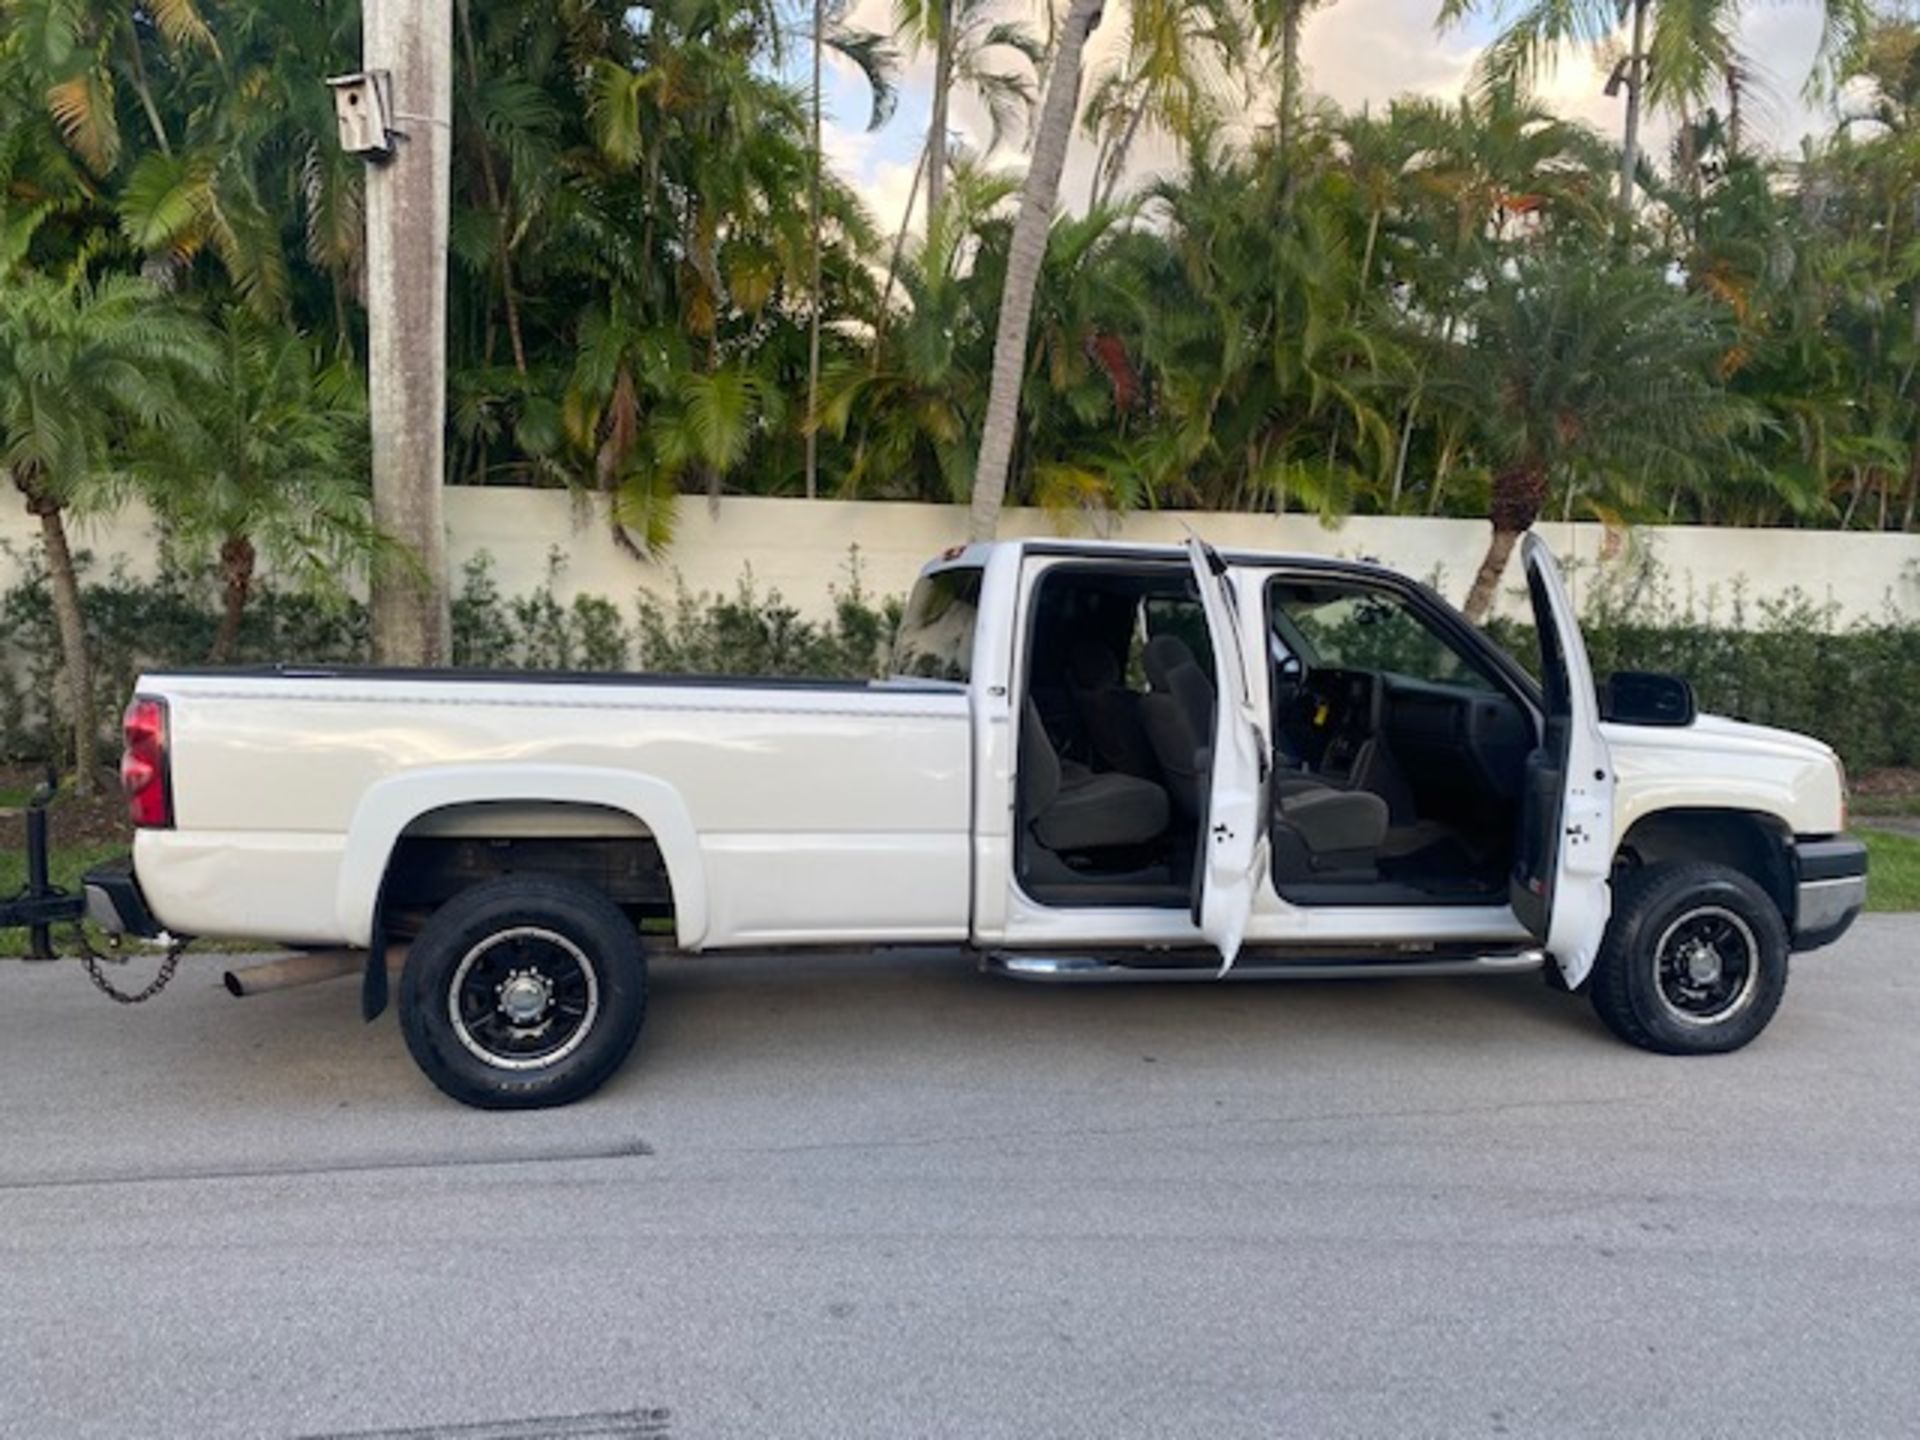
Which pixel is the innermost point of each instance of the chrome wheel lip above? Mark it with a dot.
(573, 1042)
(1743, 993)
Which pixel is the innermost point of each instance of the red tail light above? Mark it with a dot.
(143, 764)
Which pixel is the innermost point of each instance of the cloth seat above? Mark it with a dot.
(1071, 808)
(1109, 712)
(1331, 830)
(1340, 827)
(1177, 711)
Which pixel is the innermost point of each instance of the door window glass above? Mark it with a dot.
(1341, 626)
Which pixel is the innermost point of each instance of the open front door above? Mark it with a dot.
(1232, 851)
(1560, 888)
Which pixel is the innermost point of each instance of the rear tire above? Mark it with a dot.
(523, 992)
(1694, 961)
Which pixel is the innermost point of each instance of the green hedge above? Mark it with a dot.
(1784, 662)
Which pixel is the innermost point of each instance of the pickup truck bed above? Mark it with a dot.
(806, 805)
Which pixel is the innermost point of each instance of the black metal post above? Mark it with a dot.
(39, 884)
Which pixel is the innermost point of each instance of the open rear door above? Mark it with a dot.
(1233, 831)
(1560, 886)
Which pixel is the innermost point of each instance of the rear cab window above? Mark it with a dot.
(935, 638)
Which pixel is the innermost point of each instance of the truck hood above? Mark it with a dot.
(1721, 764)
(1761, 739)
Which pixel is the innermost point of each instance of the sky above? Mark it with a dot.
(1355, 52)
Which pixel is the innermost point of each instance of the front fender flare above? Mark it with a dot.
(391, 805)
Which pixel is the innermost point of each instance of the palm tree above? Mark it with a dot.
(1593, 375)
(973, 58)
(271, 459)
(911, 412)
(232, 124)
(1279, 23)
(83, 363)
(1038, 196)
(1273, 360)
(1178, 58)
(85, 52)
(970, 48)
(1677, 53)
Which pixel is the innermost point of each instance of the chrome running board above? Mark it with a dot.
(1057, 969)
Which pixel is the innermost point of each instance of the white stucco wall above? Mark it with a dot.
(801, 548)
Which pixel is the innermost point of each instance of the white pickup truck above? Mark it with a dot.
(1094, 762)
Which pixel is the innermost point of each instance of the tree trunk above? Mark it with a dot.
(496, 198)
(620, 427)
(1636, 83)
(1486, 584)
(236, 570)
(145, 92)
(63, 584)
(1402, 450)
(1736, 81)
(937, 122)
(1290, 21)
(1109, 181)
(893, 258)
(1913, 486)
(813, 221)
(1853, 501)
(1025, 251)
(1519, 492)
(1373, 243)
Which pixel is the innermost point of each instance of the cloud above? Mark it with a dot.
(1367, 52)
(1355, 52)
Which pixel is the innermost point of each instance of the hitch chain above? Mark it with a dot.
(91, 958)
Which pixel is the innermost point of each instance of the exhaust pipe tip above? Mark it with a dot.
(308, 967)
(305, 968)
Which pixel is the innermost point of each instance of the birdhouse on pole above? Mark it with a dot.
(363, 109)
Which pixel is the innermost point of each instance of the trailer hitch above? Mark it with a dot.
(41, 904)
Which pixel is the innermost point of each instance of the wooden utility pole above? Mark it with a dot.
(407, 212)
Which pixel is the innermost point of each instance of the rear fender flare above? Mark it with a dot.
(391, 805)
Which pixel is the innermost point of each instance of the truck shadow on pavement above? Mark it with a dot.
(877, 1019)
(295, 1082)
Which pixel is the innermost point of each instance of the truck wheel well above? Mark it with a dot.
(1755, 844)
(446, 851)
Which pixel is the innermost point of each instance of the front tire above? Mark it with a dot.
(523, 992)
(1694, 961)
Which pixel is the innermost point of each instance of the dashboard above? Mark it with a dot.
(1458, 745)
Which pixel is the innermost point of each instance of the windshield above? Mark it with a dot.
(935, 639)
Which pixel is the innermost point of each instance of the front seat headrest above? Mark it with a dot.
(1164, 655)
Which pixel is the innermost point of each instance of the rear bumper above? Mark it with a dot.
(1830, 889)
(114, 901)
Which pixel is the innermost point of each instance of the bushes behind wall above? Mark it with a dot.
(1784, 661)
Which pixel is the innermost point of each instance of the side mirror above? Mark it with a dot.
(1640, 697)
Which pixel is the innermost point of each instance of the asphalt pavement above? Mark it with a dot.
(885, 1196)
